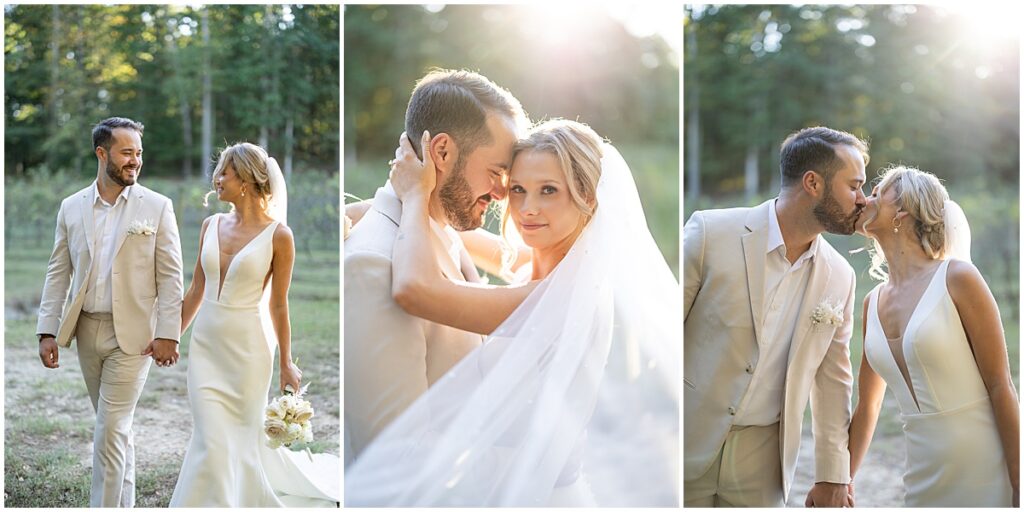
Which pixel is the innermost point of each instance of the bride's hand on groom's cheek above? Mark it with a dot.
(409, 176)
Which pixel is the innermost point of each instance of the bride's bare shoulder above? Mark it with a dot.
(965, 282)
(283, 235)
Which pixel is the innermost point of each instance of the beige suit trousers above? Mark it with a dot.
(115, 381)
(746, 473)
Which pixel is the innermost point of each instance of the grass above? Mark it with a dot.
(49, 418)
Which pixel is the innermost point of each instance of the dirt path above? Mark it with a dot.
(162, 425)
(879, 482)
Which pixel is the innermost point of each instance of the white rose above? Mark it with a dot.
(275, 428)
(274, 410)
(303, 411)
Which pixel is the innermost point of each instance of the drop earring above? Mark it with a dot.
(895, 227)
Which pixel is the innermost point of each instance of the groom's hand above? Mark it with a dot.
(48, 351)
(827, 494)
(164, 351)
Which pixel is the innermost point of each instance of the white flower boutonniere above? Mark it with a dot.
(142, 227)
(828, 314)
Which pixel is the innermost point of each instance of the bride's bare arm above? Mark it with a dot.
(418, 286)
(281, 271)
(487, 249)
(870, 391)
(355, 211)
(194, 295)
(979, 314)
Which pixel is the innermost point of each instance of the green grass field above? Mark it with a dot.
(49, 419)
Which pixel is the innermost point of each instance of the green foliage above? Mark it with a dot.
(925, 91)
(69, 66)
(625, 87)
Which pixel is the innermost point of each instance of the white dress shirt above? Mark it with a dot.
(106, 219)
(784, 287)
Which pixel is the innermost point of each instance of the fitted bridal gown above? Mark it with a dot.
(954, 455)
(231, 355)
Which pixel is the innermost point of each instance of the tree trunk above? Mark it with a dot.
(207, 97)
(186, 112)
(750, 173)
(289, 143)
(54, 102)
(266, 78)
(693, 121)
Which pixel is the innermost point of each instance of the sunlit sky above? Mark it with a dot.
(641, 19)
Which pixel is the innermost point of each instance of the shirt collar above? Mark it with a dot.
(96, 193)
(775, 240)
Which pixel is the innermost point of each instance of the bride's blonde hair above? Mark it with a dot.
(250, 164)
(577, 148)
(923, 196)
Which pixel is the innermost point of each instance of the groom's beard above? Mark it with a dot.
(114, 174)
(829, 213)
(458, 201)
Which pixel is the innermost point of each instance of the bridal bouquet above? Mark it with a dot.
(287, 420)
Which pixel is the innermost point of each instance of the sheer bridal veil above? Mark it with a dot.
(581, 381)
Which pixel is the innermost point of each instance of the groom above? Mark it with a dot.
(768, 319)
(392, 357)
(117, 247)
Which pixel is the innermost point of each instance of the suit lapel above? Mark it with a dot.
(131, 209)
(815, 294)
(85, 208)
(754, 245)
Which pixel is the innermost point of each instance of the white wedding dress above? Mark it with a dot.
(231, 356)
(571, 402)
(954, 454)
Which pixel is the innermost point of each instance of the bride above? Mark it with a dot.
(932, 332)
(572, 400)
(245, 257)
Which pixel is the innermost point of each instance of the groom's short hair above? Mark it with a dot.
(103, 132)
(814, 149)
(457, 103)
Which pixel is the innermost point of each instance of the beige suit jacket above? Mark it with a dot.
(724, 262)
(391, 357)
(146, 278)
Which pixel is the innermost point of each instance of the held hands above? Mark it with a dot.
(48, 352)
(291, 376)
(827, 494)
(410, 177)
(163, 351)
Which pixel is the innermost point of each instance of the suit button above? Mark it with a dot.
(732, 411)
(750, 368)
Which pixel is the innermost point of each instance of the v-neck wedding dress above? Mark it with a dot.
(230, 365)
(954, 454)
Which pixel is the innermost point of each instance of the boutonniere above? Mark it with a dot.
(142, 227)
(828, 314)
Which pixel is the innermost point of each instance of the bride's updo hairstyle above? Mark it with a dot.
(923, 196)
(250, 164)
